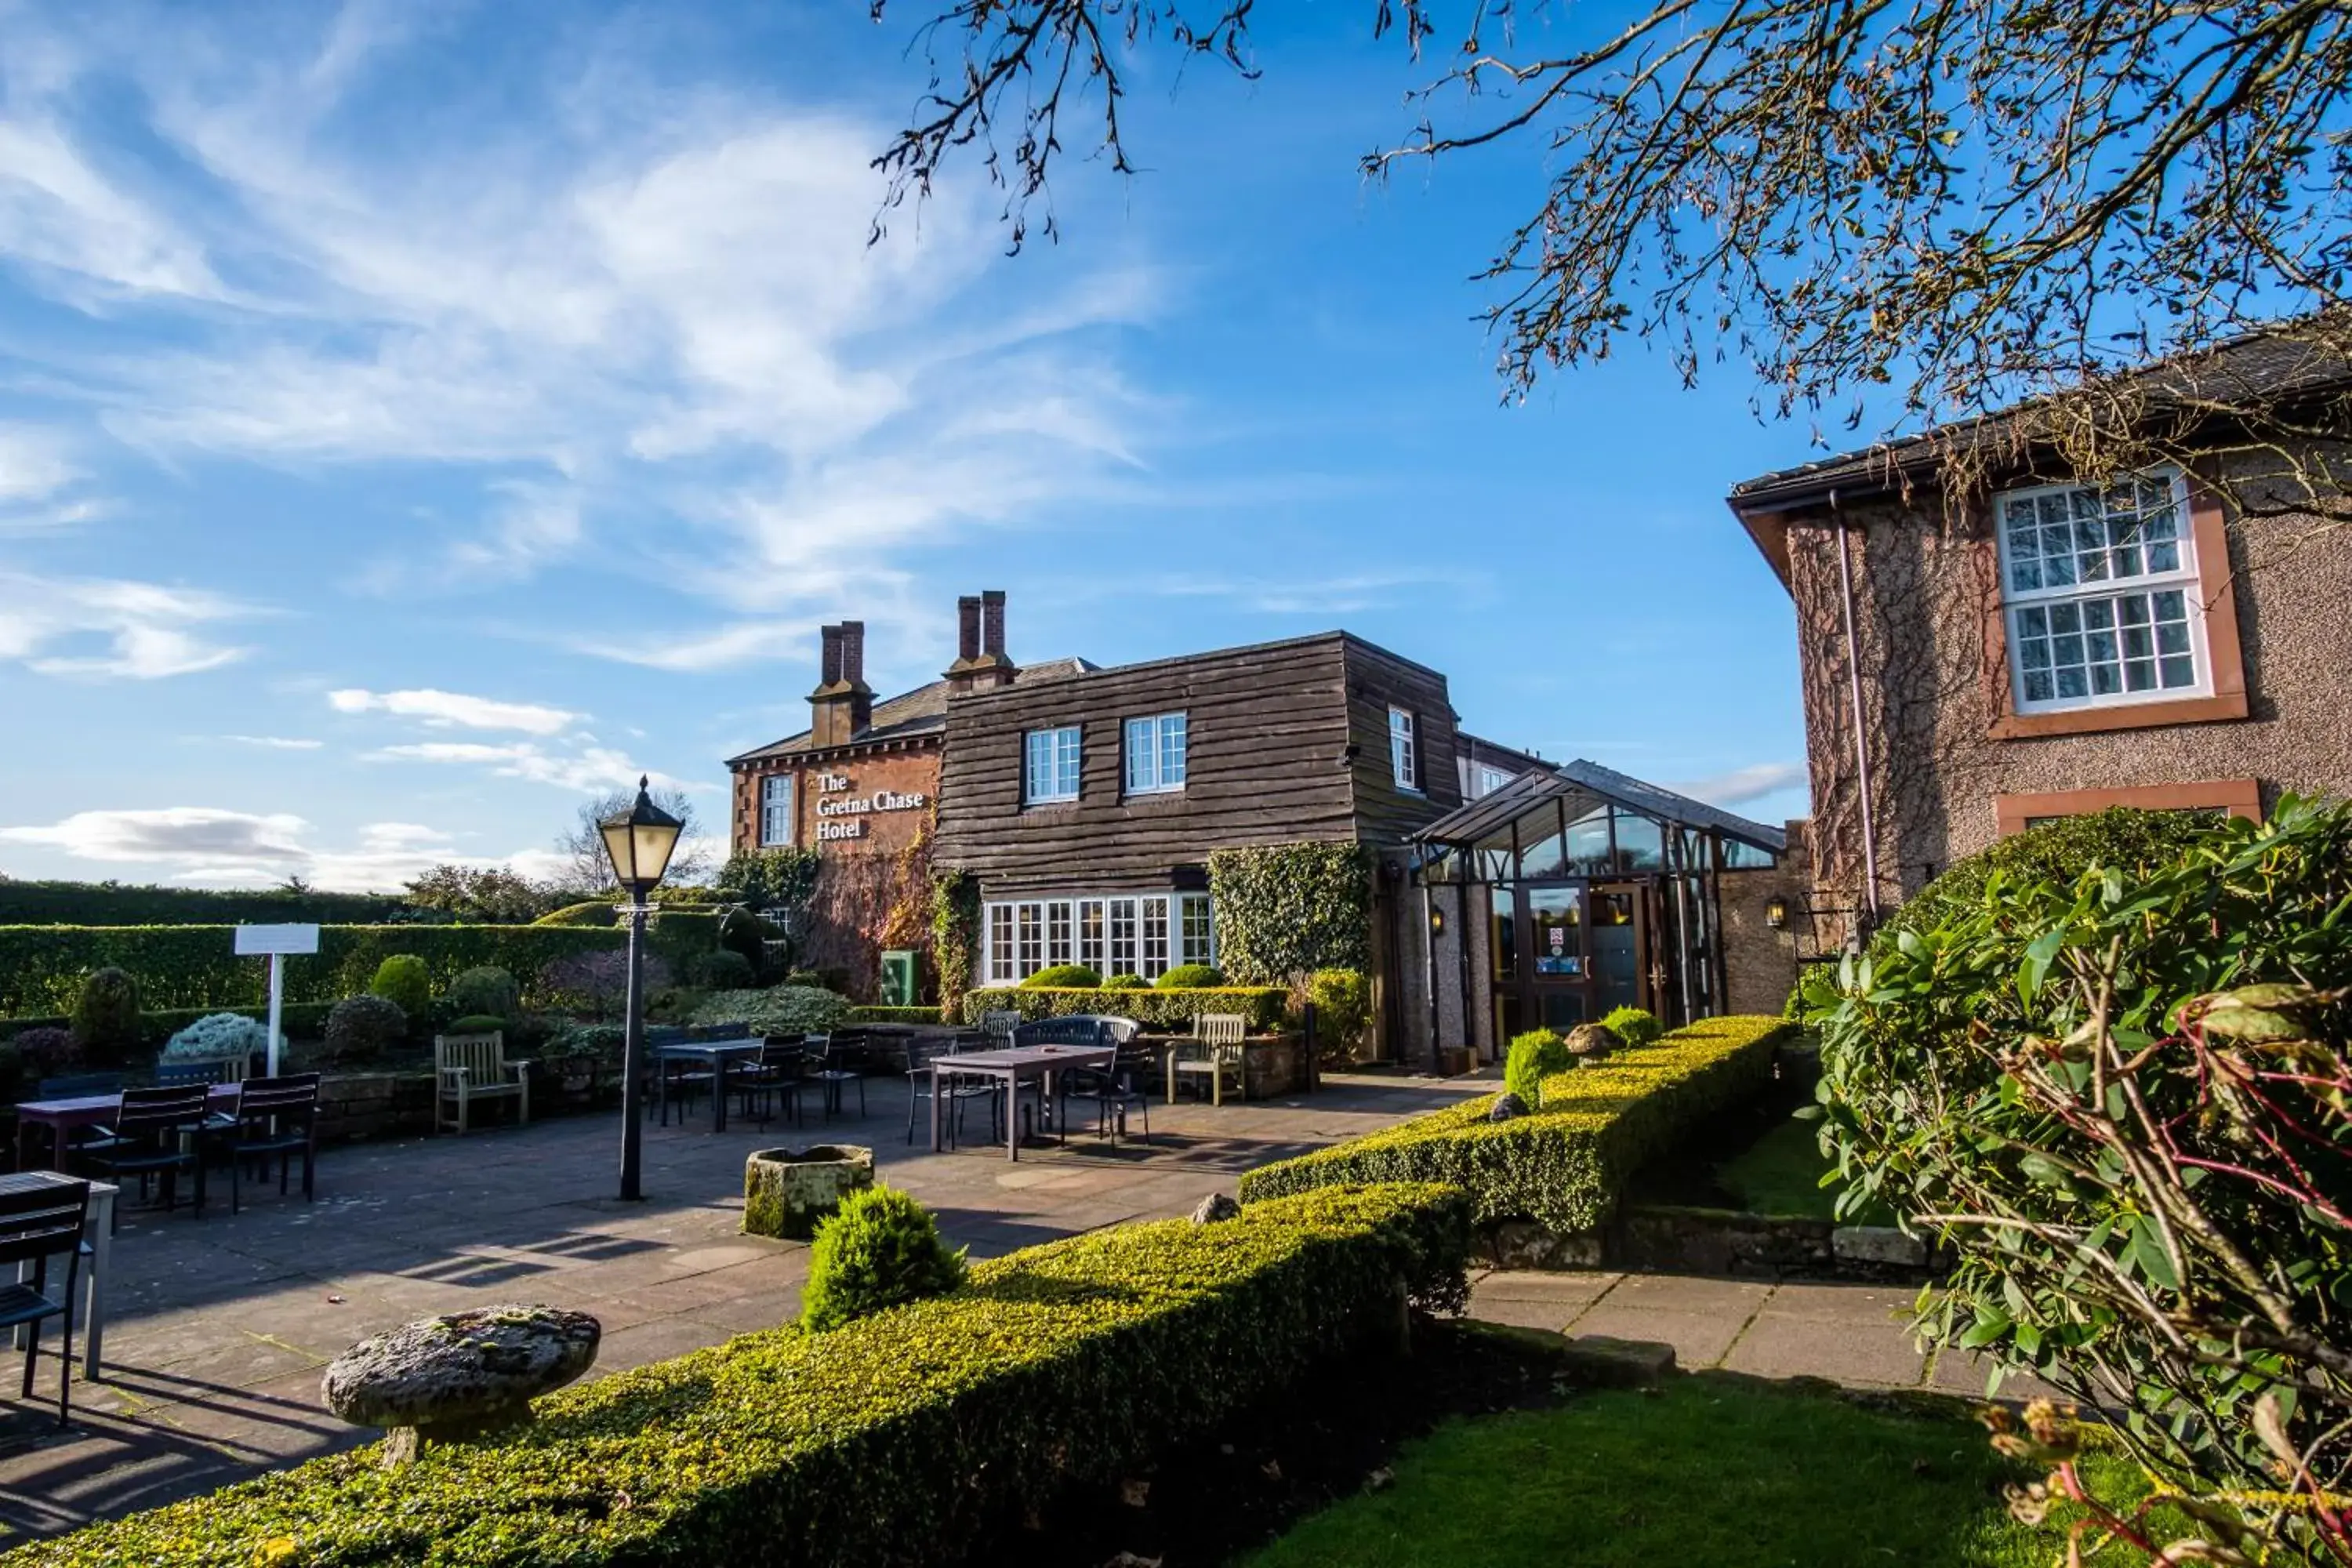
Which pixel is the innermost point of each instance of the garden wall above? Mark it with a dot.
(908, 1436)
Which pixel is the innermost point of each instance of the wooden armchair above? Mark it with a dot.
(467, 1067)
(1215, 1052)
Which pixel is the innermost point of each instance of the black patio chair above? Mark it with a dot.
(779, 1072)
(955, 1091)
(66, 1155)
(839, 1058)
(277, 1116)
(1115, 1089)
(157, 1132)
(38, 1222)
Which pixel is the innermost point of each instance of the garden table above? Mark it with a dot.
(100, 1234)
(62, 1116)
(718, 1054)
(1013, 1065)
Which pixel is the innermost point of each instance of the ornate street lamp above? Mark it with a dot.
(638, 842)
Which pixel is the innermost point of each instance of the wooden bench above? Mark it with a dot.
(467, 1067)
(1215, 1049)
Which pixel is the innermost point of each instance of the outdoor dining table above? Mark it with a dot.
(717, 1053)
(62, 1116)
(1013, 1065)
(99, 1231)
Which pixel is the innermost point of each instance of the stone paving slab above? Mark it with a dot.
(220, 1328)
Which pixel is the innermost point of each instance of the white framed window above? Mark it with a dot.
(1002, 967)
(1050, 766)
(1485, 778)
(2099, 588)
(775, 810)
(1155, 937)
(1404, 749)
(1196, 933)
(1113, 933)
(1155, 753)
(1092, 934)
(1125, 957)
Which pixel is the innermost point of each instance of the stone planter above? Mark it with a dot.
(787, 1190)
(1271, 1066)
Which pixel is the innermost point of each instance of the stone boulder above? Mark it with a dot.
(1506, 1107)
(787, 1190)
(1215, 1207)
(1591, 1042)
(446, 1379)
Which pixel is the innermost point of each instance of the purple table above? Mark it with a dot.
(62, 1116)
(1013, 1066)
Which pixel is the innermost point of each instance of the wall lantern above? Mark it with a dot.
(1437, 922)
(1775, 911)
(639, 842)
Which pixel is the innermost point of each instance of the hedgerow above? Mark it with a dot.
(1564, 1164)
(1263, 1005)
(902, 1437)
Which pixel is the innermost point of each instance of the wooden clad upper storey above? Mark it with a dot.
(1268, 744)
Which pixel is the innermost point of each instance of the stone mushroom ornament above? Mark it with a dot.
(1593, 1042)
(447, 1380)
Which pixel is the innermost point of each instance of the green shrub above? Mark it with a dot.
(1191, 977)
(880, 1249)
(403, 981)
(1263, 1005)
(1343, 1010)
(900, 1438)
(723, 969)
(1565, 1164)
(217, 1035)
(480, 1024)
(683, 935)
(878, 1014)
(45, 1051)
(1635, 1026)
(2057, 852)
(592, 915)
(1533, 1058)
(2123, 1158)
(745, 935)
(1291, 909)
(779, 1010)
(1126, 982)
(106, 1018)
(606, 1042)
(1064, 977)
(361, 1028)
(485, 989)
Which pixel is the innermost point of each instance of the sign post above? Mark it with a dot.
(276, 941)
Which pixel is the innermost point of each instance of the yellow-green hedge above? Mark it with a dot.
(1565, 1164)
(903, 1437)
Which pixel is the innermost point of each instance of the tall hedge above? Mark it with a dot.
(908, 1436)
(1290, 909)
(119, 904)
(41, 967)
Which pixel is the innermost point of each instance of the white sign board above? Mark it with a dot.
(252, 941)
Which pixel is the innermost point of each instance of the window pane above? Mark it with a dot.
(1123, 959)
(1155, 938)
(1091, 930)
(1000, 945)
(1057, 933)
(1032, 922)
(1200, 931)
(1171, 749)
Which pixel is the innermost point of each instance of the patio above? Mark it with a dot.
(218, 1329)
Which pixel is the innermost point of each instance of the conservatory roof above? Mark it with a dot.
(1581, 787)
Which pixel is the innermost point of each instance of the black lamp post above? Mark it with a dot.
(638, 842)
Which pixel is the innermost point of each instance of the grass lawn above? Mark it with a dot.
(1712, 1471)
(1780, 1174)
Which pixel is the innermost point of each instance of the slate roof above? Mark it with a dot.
(922, 711)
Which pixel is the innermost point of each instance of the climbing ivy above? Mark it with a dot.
(1290, 908)
(955, 935)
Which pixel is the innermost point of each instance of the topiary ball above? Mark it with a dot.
(1191, 977)
(106, 1018)
(1635, 1026)
(1127, 982)
(485, 991)
(361, 1028)
(1063, 977)
(880, 1249)
(405, 982)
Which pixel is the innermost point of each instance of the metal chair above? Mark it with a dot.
(38, 1222)
(277, 1116)
(1114, 1091)
(1215, 1052)
(956, 1091)
(157, 1132)
(838, 1056)
(998, 1025)
(780, 1070)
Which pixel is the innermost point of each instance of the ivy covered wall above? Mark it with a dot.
(1290, 908)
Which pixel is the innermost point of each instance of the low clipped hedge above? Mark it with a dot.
(1565, 1164)
(1263, 1005)
(907, 1436)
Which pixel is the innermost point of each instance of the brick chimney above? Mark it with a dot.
(842, 707)
(981, 663)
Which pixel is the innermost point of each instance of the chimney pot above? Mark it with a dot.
(991, 622)
(853, 652)
(967, 628)
(829, 666)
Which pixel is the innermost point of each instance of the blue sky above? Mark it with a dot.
(418, 416)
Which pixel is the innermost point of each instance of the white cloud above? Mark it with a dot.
(34, 464)
(276, 742)
(450, 709)
(212, 847)
(148, 631)
(583, 767)
(1741, 785)
(663, 338)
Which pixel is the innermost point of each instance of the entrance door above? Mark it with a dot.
(1620, 948)
(1556, 976)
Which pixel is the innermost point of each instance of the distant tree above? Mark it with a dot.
(1953, 203)
(587, 870)
(487, 895)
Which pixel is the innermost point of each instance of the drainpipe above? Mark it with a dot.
(1861, 739)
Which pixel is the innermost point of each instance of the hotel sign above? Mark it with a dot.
(842, 815)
